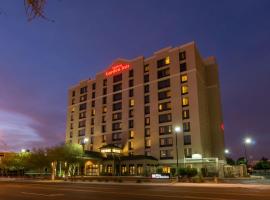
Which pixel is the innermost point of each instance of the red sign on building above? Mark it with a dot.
(115, 69)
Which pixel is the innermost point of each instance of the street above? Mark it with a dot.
(72, 191)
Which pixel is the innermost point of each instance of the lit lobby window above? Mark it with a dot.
(185, 101)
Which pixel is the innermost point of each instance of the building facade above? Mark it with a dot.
(136, 105)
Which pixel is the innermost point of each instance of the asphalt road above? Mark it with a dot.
(77, 191)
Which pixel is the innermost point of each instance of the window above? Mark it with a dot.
(72, 101)
(147, 153)
(131, 73)
(81, 132)
(130, 145)
(83, 90)
(131, 113)
(146, 88)
(103, 119)
(166, 142)
(92, 130)
(184, 89)
(146, 99)
(82, 115)
(164, 130)
(104, 91)
(183, 67)
(187, 139)
(147, 132)
(146, 78)
(185, 101)
(164, 84)
(82, 106)
(147, 143)
(166, 154)
(116, 126)
(116, 136)
(71, 126)
(131, 102)
(103, 128)
(117, 87)
(163, 62)
(164, 106)
(93, 95)
(117, 96)
(147, 121)
(104, 109)
(185, 114)
(184, 78)
(117, 106)
(83, 98)
(117, 78)
(104, 138)
(182, 55)
(164, 95)
(72, 117)
(130, 124)
(70, 134)
(147, 110)
(93, 103)
(146, 68)
(92, 121)
(188, 152)
(131, 169)
(163, 73)
(117, 116)
(131, 93)
(131, 134)
(165, 118)
(93, 112)
(104, 100)
(93, 86)
(186, 126)
(131, 83)
(104, 82)
(73, 93)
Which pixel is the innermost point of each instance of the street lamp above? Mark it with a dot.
(177, 130)
(247, 141)
(85, 140)
(227, 151)
(23, 150)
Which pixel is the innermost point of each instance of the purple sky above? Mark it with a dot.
(40, 60)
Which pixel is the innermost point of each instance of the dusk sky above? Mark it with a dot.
(40, 60)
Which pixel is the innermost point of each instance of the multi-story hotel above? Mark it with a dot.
(136, 105)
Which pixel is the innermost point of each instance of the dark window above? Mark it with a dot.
(72, 101)
(92, 130)
(146, 78)
(104, 91)
(82, 115)
(130, 73)
(117, 96)
(83, 90)
(116, 136)
(103, 128)
(81, 132)
(165, 118)
(131, 113)
(117, 106)
(164, 130)
(81, 124)
(182, 55)
(116, 116)
(105, 82)
(166, 154)
(164, 84)
(146, 88)
(147, 121)
(103, 119)
(93, 86)
(187, 139)
(82, 106)
(147, 132)
(116, 126)
(117, 78)
(131, 93)
(163, 62)
(164, 106)
(185, 114)
(93, 103)
(131, 83)
(92, 121)
(146, 99)
(130, 124)
(73, 93)
(117, 87)
(166, 142)
(83, 98)
(93, 95)
(183, 67)
(147, 110)
(164, 95)
(104, 100)
(163, 73)
(186, 126)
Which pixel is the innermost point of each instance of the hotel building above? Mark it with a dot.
(135, 105)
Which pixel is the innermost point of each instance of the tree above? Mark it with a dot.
(38, 160)
(230, 161)
(263, 164)
(241, 160)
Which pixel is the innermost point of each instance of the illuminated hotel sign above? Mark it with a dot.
(115, 69)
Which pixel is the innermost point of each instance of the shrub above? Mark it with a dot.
(188, 172)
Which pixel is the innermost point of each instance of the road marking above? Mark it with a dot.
(45, 195)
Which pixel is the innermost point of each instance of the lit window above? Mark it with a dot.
(167, 60)
(185, 101)
(185, 114)
(104, 109)
(131, 102)
(184, 78)
(184, 89)
(93, 112)
(131, 134)
(147, 143)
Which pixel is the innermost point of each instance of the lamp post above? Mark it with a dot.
(247, 141)
(177, 130)
(227, 151)
(85, 140)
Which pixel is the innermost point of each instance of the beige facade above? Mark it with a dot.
(136, 104)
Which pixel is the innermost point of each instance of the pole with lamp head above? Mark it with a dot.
(177, 130)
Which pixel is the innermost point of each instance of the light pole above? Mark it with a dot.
(227, 151)
(85, 140)
(177, 130)
(247, 141)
